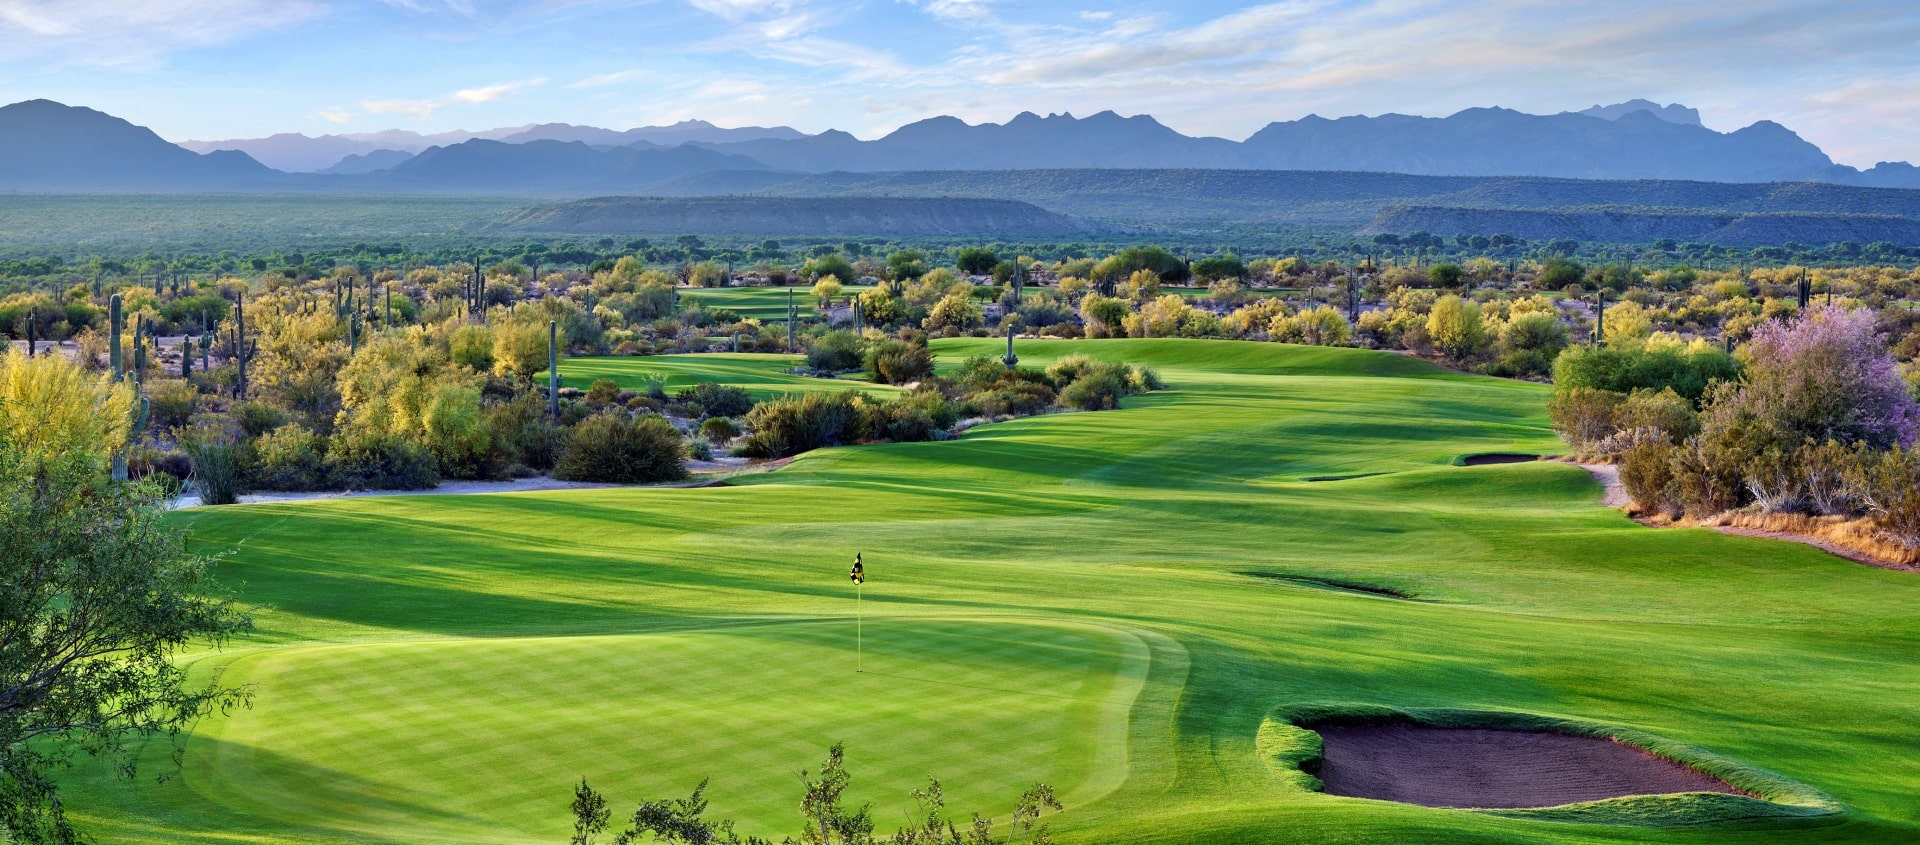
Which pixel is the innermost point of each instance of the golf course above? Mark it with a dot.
(1140, 607)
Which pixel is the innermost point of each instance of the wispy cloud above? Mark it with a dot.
(604, 79)
(116, 32)
(490, 93)
(416, 109)
(334, 115)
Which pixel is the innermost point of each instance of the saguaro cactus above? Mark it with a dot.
(240, 347)
(114, 326)
(33, 331)
(1011, 358)
(553, 368)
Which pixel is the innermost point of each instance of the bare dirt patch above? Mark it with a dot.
(1491, 458)
(1485, 768)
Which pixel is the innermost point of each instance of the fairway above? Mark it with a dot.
(1112, 602)
(767, 304)
(759, 374)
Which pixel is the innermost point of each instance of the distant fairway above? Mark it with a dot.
(759, 374)
(443, 669)
(768, 304)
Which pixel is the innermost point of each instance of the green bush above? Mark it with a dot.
(924, 415)
(287, 458)
(837, 351)
(617, 448)
(520, 431)
(215, 473)
(717, 400)
(603, 391)
(1650, 367)
(791, 425)
(172, 403)
(719, 430)
(256, 417)
(362, 460)
(899, 362)
(1095, 391)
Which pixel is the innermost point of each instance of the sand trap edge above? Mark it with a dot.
(1289, 750)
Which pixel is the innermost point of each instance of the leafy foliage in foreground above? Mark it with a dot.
(828, 818)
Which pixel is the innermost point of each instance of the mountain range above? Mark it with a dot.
(297, 153)
(46, 146)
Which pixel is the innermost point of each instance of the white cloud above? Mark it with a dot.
(119, 32)
(491, 93)
(334, 115)
(605, 79)
(416, 109)
(735, 11)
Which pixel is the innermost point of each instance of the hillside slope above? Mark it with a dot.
(719, 216)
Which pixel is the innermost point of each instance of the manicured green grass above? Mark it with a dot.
(763, 375)
(441, 669)
(768, 304)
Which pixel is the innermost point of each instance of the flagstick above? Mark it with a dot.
(859, 651)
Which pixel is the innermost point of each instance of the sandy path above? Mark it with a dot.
(1496, 769)
(1609, 477)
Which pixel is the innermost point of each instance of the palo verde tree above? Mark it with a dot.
(97, 594)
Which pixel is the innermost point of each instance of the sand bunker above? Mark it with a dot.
(1497, 458)
(1493, 769)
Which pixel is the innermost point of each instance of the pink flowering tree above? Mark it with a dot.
(1827, 375)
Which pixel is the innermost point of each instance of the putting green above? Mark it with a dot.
(444, 668)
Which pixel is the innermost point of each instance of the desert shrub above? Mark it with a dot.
(1704, 481)
(1456, 327)
(1646, 471)
(979, 372)
(837, 351)
(359, 459)
(602, 391)
(719, 430)
(1653, 366)
(1663, 412)
(522, 434)
(170, 469)
(1529, 343)
(257, 418)
(700, 450)
(172, 403)
(1833, 476)
(1890, 489)
(1320, 326)
(287, 458)
(924, 415)
(215, 472)
(1017, 397)
(898, 362)
(1144, 380)
(1095, 391)
(791, 425)
(717, 400)
(1828, 376)
(620, 449)
(1584, 416)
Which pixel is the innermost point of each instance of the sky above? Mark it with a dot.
(1845, 75)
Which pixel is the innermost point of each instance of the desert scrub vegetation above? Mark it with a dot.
(980, 388)
(1812, 431)
(827, 817)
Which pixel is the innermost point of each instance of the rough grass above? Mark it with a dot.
(439, 669)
